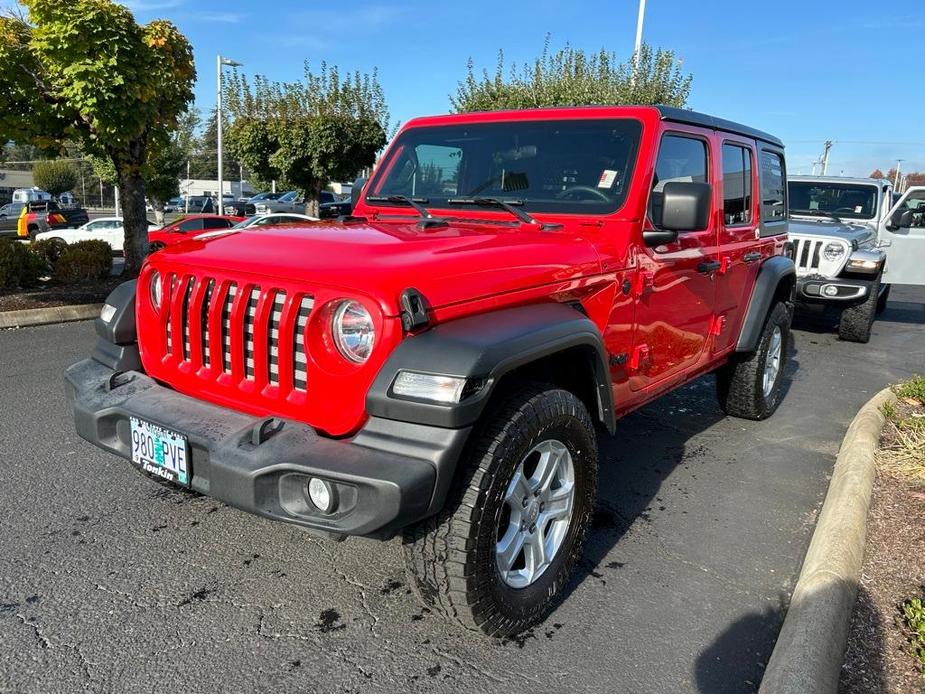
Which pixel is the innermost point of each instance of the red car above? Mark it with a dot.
(187, 227)
(441, 363)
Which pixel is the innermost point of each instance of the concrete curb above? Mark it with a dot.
(52, 314)
(810, 649)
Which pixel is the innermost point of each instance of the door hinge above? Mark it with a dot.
(719, 324)
(640, 356)
(644, 280)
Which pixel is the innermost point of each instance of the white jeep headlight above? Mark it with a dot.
(353, 330)
(833, 251)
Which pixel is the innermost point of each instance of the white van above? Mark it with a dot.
(30, 195)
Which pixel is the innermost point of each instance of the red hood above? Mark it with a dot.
(448, 265)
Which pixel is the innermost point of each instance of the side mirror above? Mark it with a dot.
(356, 191)
(686, 206)
(900, 219)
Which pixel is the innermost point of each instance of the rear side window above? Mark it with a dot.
(737, 184)
(682, 159)
(773, 202)
(191, 225)
(215, 224)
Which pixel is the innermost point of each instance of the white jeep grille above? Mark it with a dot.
(809, 255)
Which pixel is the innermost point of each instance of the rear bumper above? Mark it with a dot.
(813, 290)
(386, 477)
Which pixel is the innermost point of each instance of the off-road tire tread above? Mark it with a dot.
(438, 551)
(739, 383)
(857, 321)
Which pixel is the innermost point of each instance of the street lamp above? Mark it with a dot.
(640, 18)
(219, 64)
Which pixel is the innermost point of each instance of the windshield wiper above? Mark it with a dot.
(404, 200)
(818, 213)
(507, 206)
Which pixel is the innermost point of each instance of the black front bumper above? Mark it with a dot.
(813, 290)
(388, 476)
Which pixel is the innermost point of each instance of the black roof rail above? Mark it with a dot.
(681, 115)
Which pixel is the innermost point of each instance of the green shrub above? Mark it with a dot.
(19, 266)
(914, 388)
(83, 261)
(913, 612)
(49, 250)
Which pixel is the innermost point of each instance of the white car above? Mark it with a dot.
(108, 229)
(275, 219)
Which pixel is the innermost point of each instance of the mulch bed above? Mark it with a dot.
(52, 294)
(879, 659)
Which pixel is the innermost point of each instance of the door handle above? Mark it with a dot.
(709, 267)
(752, 257)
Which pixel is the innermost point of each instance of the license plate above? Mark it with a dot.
(160, 451)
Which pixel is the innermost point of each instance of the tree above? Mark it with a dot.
(569, 77)
(205, 157)
(307, 133)
(85, 71)
(912, 178)
(55, 177)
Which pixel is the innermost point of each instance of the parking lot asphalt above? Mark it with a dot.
(109, 582)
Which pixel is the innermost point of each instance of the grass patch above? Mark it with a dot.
(913, 389)
(902, 445)
(913, 613)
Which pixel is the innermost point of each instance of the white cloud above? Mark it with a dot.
(220, 17)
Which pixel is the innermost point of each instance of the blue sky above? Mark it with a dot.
(805, 71)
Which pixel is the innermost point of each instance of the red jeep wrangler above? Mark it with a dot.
(436, 364)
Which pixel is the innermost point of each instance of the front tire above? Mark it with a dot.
(751, 387)
(858, 321)
(498, 555)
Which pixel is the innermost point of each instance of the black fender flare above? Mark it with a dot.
(484, 348)
(771, 274)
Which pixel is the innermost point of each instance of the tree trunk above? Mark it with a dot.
(313, 200)
(134, 220)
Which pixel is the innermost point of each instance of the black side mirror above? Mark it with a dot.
(686, 206)
(900, 219)
(356, 191)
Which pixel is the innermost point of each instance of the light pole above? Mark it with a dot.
(899, 163)
(220, 62)
(640, 18)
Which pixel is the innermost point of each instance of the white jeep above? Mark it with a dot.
(851, 242)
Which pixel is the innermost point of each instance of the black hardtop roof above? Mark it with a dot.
(681, 115)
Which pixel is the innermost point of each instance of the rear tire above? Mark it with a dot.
(857, 321)
(751, 386)
(464, 563)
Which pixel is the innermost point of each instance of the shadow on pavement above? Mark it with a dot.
(634, 463)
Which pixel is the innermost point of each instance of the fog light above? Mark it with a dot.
(448, 389)
(321, 495)
(107, 313)
(830, 290)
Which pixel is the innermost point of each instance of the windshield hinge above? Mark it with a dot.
(414, 309)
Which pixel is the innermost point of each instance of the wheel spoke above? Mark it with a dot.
(547, 467)
(558, 505)
(510, 547)
(518, 489)
(535, 554)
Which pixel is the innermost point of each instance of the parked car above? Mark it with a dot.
(275, 219)
(331, 206)
(851, 242)
(188, 226)
(437, 369)
(11, 210)
(287, 202)
(108, 229)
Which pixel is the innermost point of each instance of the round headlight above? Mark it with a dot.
(833, 251)
(353, 331)
(156, 289)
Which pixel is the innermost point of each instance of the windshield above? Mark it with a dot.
(840, 200)
(247, 222)
(569, 166)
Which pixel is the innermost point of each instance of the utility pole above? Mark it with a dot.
(186, 198)
(221, 62)
(640, 18)
(824, 159)
(899, 164)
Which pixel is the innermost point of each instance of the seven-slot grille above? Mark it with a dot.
(809, 256)
(270, 326)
